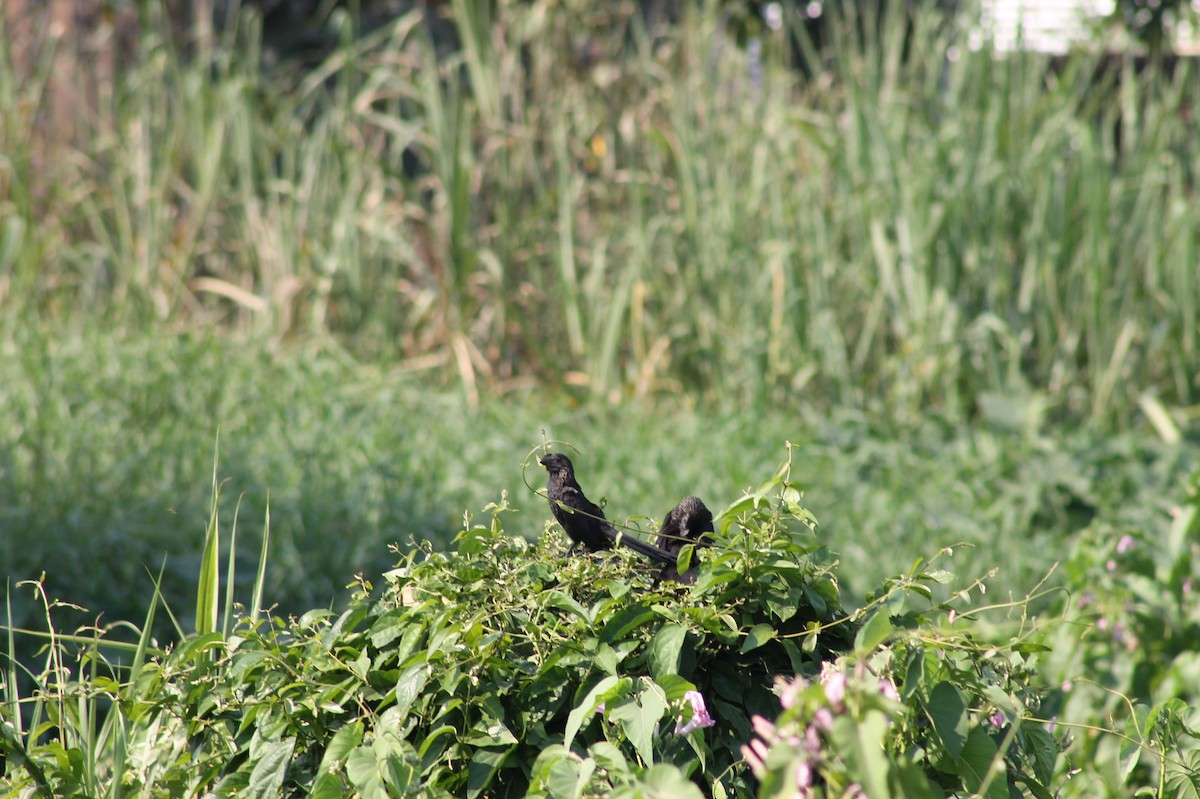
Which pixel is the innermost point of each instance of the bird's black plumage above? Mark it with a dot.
(689, 522)
(581, 519)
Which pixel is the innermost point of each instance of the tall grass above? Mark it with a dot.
(899, 222)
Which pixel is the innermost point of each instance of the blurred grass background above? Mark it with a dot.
(964, 286)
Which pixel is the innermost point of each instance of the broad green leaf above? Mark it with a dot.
(485, 762)
(609, 757)
(861, 743)
(674, 686)
(340, 745)
(607, 688)
(874, 632)
(563, 779)
(1183, 779)
(940, 576)
(665, 649)
(409, 686)
(914, 674)
(433, 737)
(976, 759)
(327, 786)
(560, 600)
(625, 620)
(363, 770)
(399, 774)
(1041, 746)
(664, 781)
(948, 713)
(758, 635)
(639, 715)
(266, 779)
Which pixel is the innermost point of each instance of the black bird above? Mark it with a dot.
(689, 522)
(581, 519)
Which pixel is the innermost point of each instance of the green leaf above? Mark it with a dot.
(914, 674)
(409, 686)
(668, 782)
(948, 713)
(340, 745)
(557, 599)
(758, 635)
(625, 620)
(861, 743)
(266, 780)
(563, 779)
(1041, 746)
(363, 770)
(607, 688)
(327, 786)
(674, 686)
(1183, 778)
(976, 759)
(609, 758)
(485, 762)
(940, 576)
(874, 632)
(638, 716)
(666, 648)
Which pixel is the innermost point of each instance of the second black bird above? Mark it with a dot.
(689, 522)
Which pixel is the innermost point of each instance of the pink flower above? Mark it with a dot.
(1111, 565)
(835, 686)
(823, 719)
(889, 690)
(752, 757)
(763, 727)
(700, 716)
(1125, 544)
(812, 739)
(789, 691)
(951, 616)
(804, 774)
(998, 719)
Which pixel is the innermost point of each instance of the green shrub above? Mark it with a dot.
(1125, 663)
(506, 669)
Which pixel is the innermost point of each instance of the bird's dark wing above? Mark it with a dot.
(689, 522)
(581, 519)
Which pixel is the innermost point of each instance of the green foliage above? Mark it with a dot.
(106, 450)
(504, 668)
(906, 223)
(1128, 653)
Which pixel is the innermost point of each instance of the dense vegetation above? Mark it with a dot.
(963, 287)
(575, 193)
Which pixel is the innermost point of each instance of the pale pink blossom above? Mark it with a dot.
(804, 774)
(835, 687)
(1125, 544)
(700, 716)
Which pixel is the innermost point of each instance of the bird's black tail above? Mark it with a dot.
(641, 547)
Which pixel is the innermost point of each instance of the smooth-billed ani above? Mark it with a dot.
(689, 522)
(581, 519)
